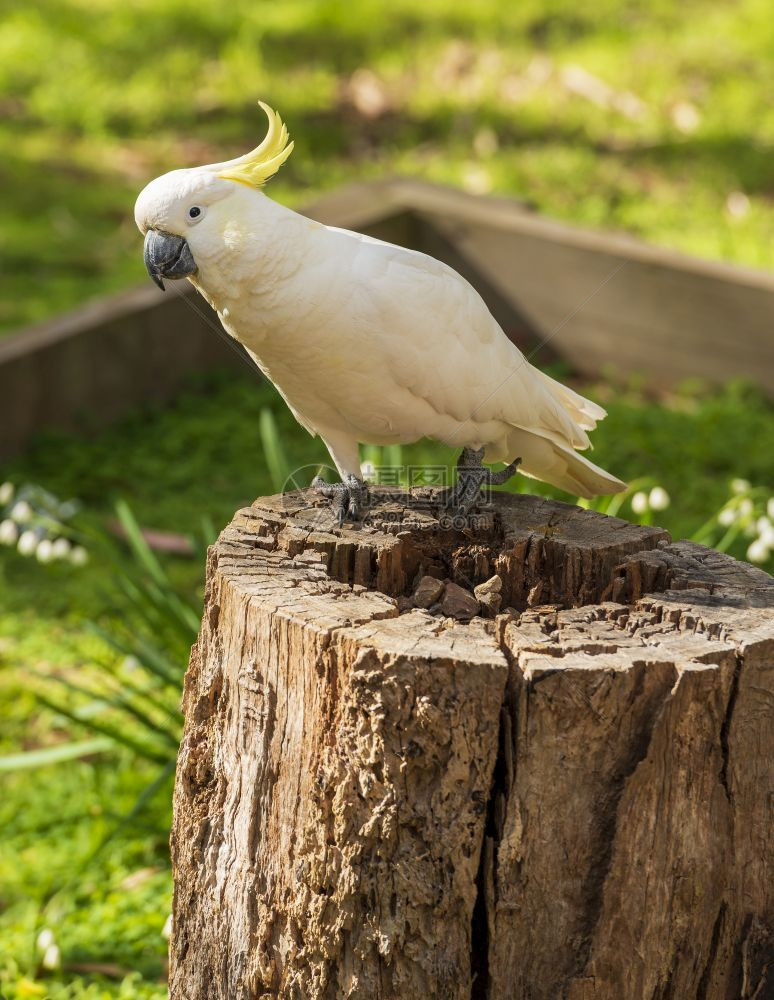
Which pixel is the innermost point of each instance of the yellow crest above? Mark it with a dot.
(256, 167)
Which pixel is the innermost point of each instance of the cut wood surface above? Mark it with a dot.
(571, 798)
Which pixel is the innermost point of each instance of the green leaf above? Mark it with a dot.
(140, 548)
(106, 729)
(279, 470)
(120, 703)
(152, 659)
(161, 606)
(55, 755)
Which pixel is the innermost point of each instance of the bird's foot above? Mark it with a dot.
(472, 476)
(350, 497)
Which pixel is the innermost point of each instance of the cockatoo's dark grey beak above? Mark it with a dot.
(167, 256)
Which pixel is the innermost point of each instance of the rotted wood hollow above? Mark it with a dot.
(573, 799)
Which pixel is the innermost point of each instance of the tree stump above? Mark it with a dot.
(572, 799)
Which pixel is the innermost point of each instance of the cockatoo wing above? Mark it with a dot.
(447, 350)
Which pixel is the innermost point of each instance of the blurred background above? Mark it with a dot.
(650, 118)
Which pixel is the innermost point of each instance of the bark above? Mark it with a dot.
(571, 800)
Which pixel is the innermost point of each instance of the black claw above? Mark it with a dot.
(350, 497)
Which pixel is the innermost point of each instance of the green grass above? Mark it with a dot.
(107, 909)
(99, 97)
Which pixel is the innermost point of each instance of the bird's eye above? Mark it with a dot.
(194, 212)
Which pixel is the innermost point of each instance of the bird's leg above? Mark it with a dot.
(501, 477)
(350, 497)
(471, 476)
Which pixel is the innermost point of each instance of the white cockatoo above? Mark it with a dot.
(367, 342)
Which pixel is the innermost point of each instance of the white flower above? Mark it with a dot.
(727, 516)
(6, 493)
(61, 548)
(78, 555)
(746, 508)
(737, 204)
(659, 498)
(27, 543)
(770, 508)
(166, 931)
(476, 179)
(766, 531)
(52, 958)
(640, 502)
(45, 550)
(21, 512)
(686, 117)
(758, 552)
(9, 532)
(45, 939)
(739, 485)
